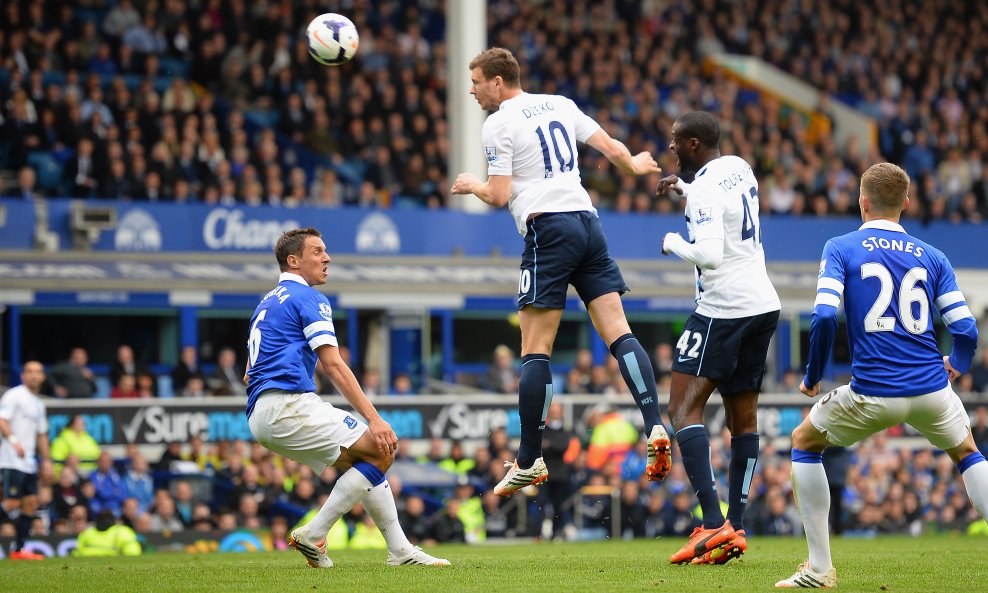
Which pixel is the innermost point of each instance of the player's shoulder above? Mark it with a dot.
(723, 173)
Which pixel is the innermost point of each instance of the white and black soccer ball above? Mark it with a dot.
(333, 39)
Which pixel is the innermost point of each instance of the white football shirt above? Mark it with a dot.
(723, 202)
(533, 139)
(26, 414)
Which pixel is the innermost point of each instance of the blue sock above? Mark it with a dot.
(373, 474)
(694, 446)
(636, 369)
(534, 397)
(22, 527)
(744, 455)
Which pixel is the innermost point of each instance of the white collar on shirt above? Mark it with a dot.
(505, 102)
(885, 225)
(293, 277)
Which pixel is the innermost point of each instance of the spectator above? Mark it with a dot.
(979, 372)
(184, 501)
(415, 523)
(26, 185)
(195, 387)
(147, 384)
(611, 439)
(228, 377)
(164, 519)
(188, 366)
(67, 493)
(403, 385)
(138, 484)
(72, 378)
(560, 448)
(75, 442)
(171, 454)
(447, 526)
(126, 387)
(457, 462)
(502, 376)
(109, 486)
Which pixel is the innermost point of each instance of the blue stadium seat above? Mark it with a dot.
(174, 67)
(48, 168)
(165, 388)
(103, 387)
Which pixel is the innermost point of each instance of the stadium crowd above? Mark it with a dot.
(228, 485)
(218, 101)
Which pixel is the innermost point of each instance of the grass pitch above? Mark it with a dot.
(893, 564)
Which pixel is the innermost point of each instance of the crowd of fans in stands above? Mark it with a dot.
(217, 101)
(227, 485)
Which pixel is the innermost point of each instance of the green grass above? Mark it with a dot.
(895, 564)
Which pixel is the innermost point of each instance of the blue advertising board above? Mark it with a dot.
(168, 227)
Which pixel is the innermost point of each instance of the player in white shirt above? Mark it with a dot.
(23, 438)
(726, 340)
(530, 143)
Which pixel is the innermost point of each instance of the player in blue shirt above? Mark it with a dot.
(290, 329)
(891, 283)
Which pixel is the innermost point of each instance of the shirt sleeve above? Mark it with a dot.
(6, 407)
(317, 322)
(498, 146)
(956, 315)
(586, 126)
(823, 325)
(706, 213)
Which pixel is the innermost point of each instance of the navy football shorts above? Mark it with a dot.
(730, 352)
(18, 484)
(563, 248)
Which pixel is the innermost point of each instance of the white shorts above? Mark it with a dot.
(303, 427)
(847, 417)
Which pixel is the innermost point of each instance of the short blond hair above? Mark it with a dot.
(886, 186)
(498, 61)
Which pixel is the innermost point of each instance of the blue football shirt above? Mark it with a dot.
(289, 324)
(891, 283)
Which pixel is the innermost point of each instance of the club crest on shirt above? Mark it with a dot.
(491, 152)
(704, 215)
(350, 421)
(326, 311)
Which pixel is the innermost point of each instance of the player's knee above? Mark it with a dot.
(806, 437)
(961, 451)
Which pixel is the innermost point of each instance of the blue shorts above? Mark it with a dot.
(729, 352)
(563, 248)
(18, 484)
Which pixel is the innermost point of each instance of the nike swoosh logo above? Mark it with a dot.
(682, 359)
(701, 546)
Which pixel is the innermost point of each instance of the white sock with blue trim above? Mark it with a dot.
(380, 505)
(812, 491)
(352, 487)
(974, 470)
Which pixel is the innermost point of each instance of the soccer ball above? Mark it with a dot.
(333, 39)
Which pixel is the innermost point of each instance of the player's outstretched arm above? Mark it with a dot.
(495, 192)
(342, 377)
(619, 155)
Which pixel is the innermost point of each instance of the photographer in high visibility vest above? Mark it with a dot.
(107, 538)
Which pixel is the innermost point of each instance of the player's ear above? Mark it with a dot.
(905, 204)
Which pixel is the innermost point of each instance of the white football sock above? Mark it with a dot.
(380, 505)
(976, 483)
(812, 493)
(351, 488)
